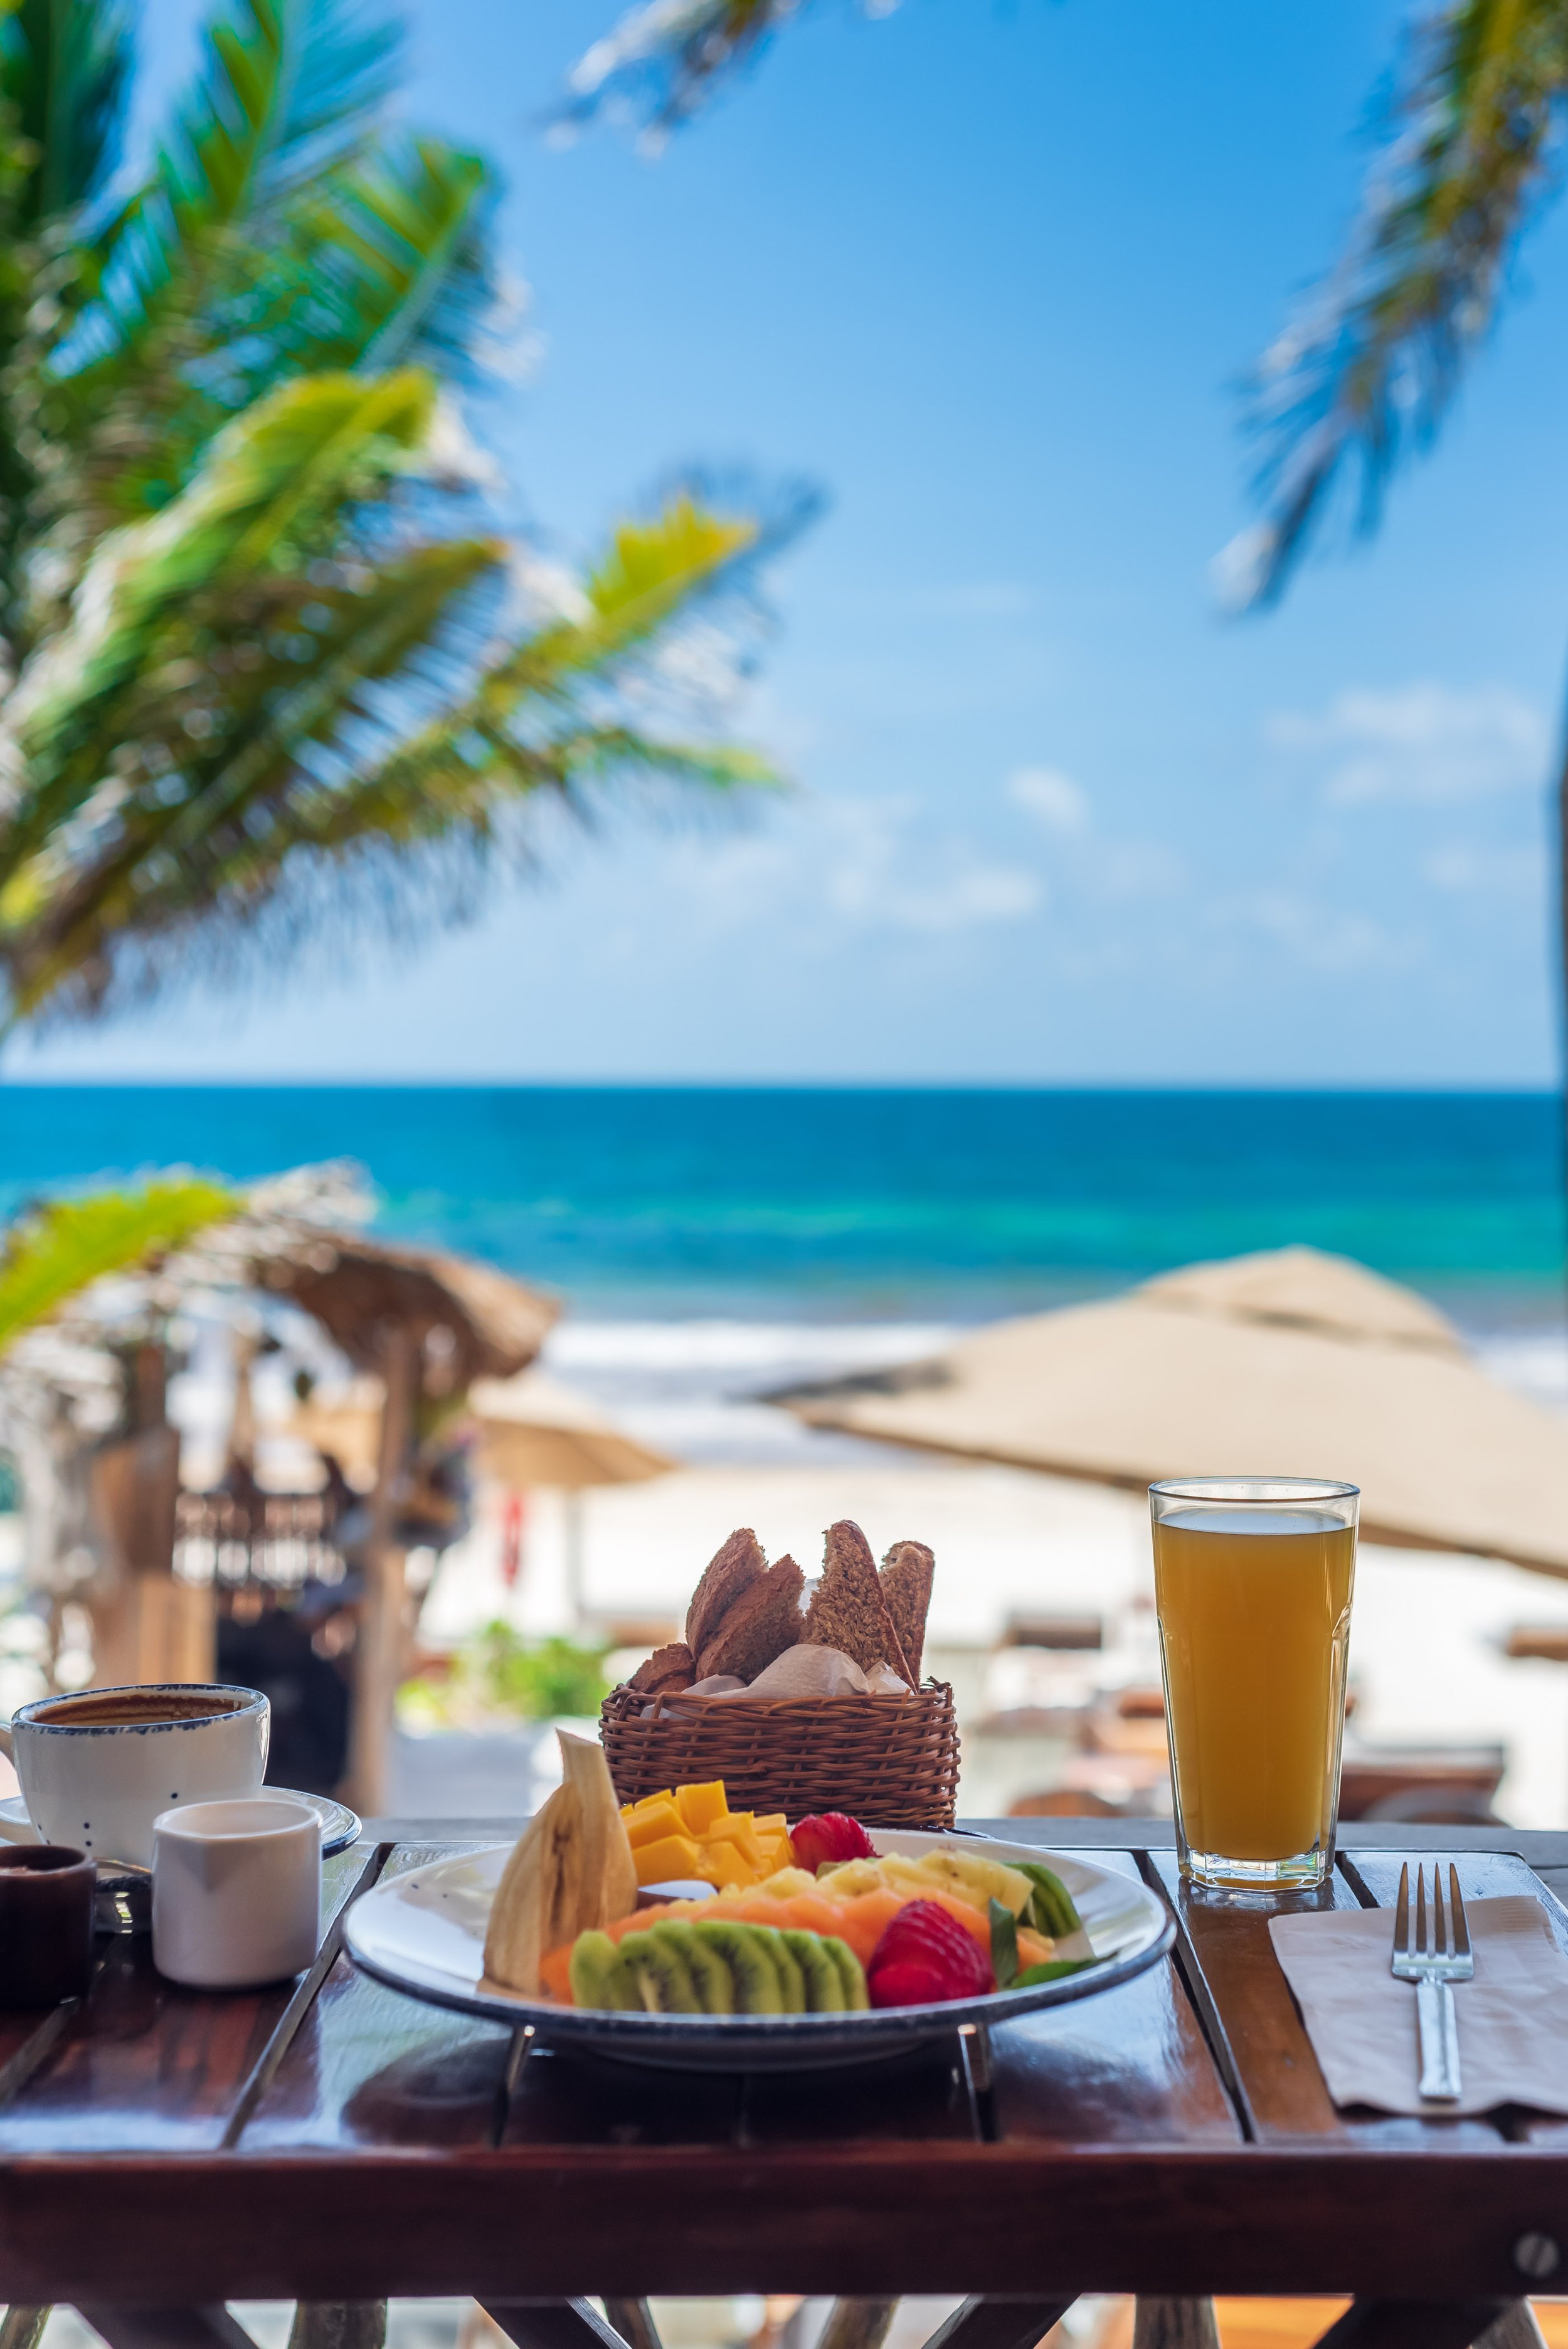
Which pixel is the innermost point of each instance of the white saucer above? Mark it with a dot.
(340, 1826)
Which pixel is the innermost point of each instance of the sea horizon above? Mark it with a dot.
(891, 1202)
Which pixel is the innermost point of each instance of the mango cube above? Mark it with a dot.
(699, 1806)
(650, 1825)
(734, 1827)
(722, 1864)
(667, 1861)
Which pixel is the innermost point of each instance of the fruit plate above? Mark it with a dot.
(425, 1933)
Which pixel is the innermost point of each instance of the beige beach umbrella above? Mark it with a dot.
(1287, 1363)
(533, 1433)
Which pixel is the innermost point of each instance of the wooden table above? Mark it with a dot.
(334, 2143)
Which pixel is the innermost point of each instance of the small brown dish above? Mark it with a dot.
(46, 1893)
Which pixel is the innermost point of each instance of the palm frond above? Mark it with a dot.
(386, 262)
(1366, 373)
(263, 744)
(55, 1250)
(276, 774)
(285, 89)
(64, 66)
(272, 480)
(665, 59)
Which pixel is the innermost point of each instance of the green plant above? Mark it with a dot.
(499, 1674)
(267, 675)
(55, 1248)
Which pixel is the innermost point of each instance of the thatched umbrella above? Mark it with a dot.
(1288, 1363)
(427, 1325)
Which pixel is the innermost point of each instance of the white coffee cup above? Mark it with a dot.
(97, 1768)
(236, 1892)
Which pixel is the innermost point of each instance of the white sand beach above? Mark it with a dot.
(1427, 1658)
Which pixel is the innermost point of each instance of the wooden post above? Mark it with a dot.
(147, 1626)
(380, 1648)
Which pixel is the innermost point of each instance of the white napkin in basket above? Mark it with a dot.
(1512, 2017)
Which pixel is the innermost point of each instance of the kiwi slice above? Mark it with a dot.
(592, 1955)
(598, 1975)
(824, 1990)
(753, 1975)
(792, 1979)
(710, 1977)
(664, 1982)
(851, 1973)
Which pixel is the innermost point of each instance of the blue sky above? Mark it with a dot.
(989, 275)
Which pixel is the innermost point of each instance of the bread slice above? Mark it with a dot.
(848, 1610)
(740, 1564)
(907, 1573)
(671, 1667)
(758, 1627)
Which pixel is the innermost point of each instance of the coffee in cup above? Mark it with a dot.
(98, 1765)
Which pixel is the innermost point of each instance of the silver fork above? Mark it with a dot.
(1432, 1965)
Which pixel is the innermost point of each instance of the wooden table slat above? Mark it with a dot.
(143, 2066)
(1128, 2065)
(370, 2065)
(1227, 1947)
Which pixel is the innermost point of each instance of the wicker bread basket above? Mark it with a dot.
(891, 1761)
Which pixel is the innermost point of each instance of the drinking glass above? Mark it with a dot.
(1253, 1581)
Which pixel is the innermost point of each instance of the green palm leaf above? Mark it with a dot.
(1367, 373)
(263, 662)
(663, 62)
(55, 1250)
(271, 480)
(64, 66)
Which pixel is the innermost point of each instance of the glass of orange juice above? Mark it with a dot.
(1253, 1580)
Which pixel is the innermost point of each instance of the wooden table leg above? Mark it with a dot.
(1414, 2324)
(857, 2324)
(338, 2324)
(553, 2323)
(1174, 2325)
(985, 2323)
(634, 2320)
(165, 2328)
(1516, 2328)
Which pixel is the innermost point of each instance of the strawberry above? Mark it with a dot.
(924, 1958)
(830, 1835)
(908, 1985)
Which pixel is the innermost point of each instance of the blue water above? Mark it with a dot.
(830, 1204)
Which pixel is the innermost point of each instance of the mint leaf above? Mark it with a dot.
(1052, 1970)
(1004, 1945)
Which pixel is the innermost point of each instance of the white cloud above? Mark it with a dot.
(865, 862)
(1423, 741)
(1469, 869)
(886, 877)
(1319, 937)
(1059, 804)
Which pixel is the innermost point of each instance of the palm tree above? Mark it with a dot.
(1364, 375)
(1362, 378)
(266, 664)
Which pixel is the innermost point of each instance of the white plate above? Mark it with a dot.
(425, 1933)
(340, 1826)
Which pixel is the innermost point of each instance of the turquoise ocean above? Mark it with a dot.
(712, 1243)
(871, 1204)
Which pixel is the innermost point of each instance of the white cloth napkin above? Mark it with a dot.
(1512, 2017)
(803, 1670)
